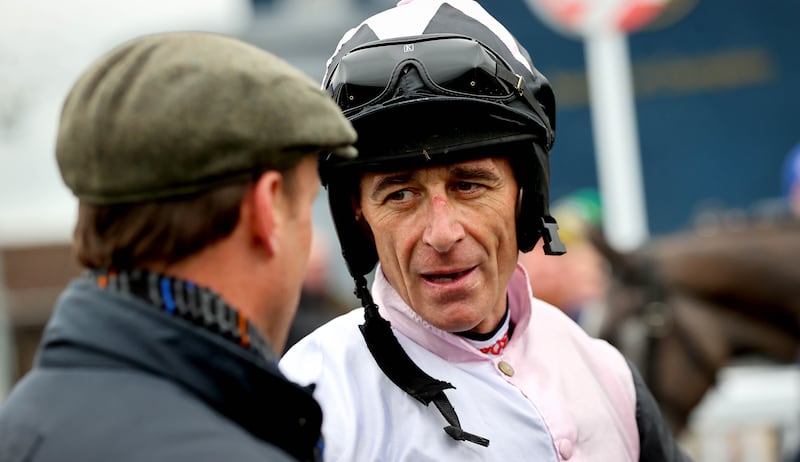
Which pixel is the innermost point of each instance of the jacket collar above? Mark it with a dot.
(449, 346)
(96, 327)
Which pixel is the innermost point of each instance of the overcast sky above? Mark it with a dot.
(44, 46)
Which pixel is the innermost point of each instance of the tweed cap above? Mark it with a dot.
(178, 113)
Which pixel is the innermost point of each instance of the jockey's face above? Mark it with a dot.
(446, 239)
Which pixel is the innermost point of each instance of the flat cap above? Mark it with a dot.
(178, 113)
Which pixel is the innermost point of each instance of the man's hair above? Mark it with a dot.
(128, 235)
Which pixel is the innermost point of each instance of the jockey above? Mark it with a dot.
(455, 127)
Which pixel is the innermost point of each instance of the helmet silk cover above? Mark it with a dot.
(420, 17)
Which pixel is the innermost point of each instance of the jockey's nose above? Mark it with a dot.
(444, 228)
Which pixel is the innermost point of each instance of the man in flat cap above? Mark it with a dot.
(194, 159)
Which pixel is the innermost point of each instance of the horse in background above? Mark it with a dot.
(683, 306)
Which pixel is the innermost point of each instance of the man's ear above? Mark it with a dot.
(267, 204)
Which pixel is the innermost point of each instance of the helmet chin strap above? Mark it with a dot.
(401, 370)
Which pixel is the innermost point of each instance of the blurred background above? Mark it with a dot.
(709, 86)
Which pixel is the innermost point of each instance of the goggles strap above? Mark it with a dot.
(515, 80)
(518, 82)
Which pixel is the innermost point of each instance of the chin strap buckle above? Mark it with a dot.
(552, 243)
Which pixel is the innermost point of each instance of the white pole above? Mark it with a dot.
(616, 138)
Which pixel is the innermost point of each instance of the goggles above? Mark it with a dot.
(448, 64)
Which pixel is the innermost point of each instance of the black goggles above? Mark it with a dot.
(449, 64)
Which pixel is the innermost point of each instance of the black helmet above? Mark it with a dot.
(462, 88)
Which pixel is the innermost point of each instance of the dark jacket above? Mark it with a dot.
(120, 379)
